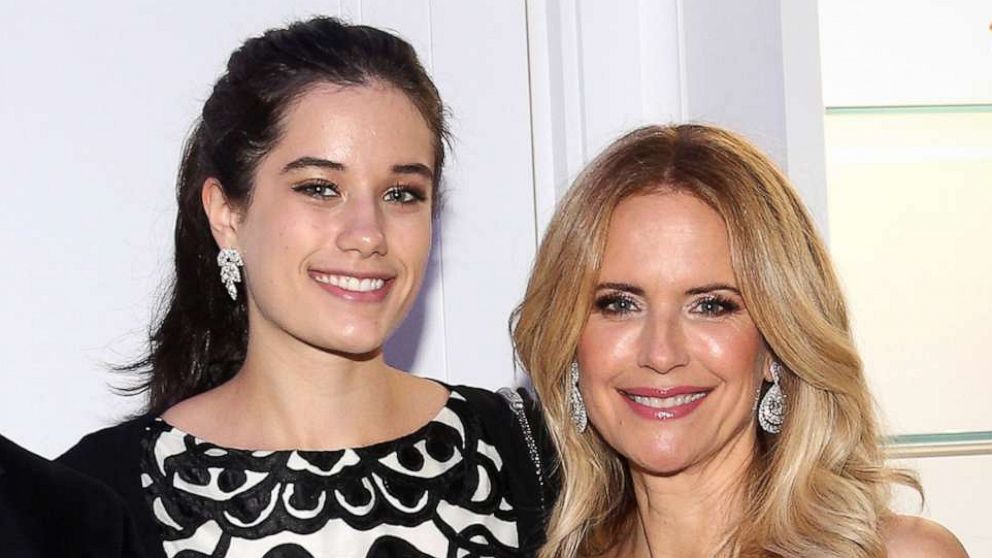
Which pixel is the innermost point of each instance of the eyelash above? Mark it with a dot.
(608, 304)
(619, 304)
(416, 195)
(727, 306)
(319, 190)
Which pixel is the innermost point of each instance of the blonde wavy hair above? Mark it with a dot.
(819, 488)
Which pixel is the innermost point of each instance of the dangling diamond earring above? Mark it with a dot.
(771, 411)
(576, 406)
(229, 261)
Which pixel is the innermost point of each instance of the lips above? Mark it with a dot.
(665, 404)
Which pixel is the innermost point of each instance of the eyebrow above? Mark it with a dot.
(637, 291)
(414, 168)
(713, 287)
(306, 162)
(625, 287)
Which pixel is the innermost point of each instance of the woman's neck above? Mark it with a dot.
(690, 513)
(291, 395)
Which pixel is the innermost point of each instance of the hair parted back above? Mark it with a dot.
(200, 339)
(817, 489)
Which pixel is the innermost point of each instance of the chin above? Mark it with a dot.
(358, 343)
(357, 347)
(658, 464)
(656, 456)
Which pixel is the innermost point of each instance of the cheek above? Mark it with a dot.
(274, 236)
(729, 351)
(606, 350)
(410, 240)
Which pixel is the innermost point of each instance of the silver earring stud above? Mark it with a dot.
(771, 411)
(230, 263)
(577, 406)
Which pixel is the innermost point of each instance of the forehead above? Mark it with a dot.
(351, 124)
(673, 236)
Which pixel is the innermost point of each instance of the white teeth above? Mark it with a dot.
(350, 283)
(667, 402)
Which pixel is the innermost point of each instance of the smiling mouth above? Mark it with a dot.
(350, 283)
(666, 402)
(658, 405)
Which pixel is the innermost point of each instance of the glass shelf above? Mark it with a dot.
(947, 444)
(911, 109)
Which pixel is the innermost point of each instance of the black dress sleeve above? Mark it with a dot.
(48, 510)
(113, 456)
(528, 456)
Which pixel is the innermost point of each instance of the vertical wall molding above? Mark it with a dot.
(598, 70)
(557, 119)
(804, 109)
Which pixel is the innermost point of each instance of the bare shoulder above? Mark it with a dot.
(908, 536)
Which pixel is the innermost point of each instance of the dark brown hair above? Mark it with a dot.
(200, 339)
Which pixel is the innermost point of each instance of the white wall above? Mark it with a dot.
(906, 52)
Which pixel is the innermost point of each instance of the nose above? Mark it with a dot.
(362, 230)
(663, 345)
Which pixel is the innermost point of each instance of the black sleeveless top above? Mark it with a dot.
(475, 481)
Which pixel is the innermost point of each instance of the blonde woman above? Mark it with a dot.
(688, 339)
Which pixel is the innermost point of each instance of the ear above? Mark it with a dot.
(766, 372)
(224, 217)
(766, 366)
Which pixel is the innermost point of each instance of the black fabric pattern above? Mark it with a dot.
(440, 491)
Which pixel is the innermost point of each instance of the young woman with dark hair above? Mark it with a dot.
(274, 427)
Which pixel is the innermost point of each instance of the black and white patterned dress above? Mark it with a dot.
(438, 492)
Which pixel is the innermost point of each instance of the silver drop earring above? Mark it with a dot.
(771, 411)
(577, 406)
(230, 261)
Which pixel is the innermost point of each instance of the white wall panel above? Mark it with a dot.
(734, 74)
(906, 52)
(753, 67)
(488, 231)
(597, 71)
(600, 69)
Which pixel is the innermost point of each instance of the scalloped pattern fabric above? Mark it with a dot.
(438, 492)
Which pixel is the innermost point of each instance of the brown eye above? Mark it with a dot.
(404, 195)
(318, 190)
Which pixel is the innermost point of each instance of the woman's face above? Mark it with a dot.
(336, 237)
(670, 358)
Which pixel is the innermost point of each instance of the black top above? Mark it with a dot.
(467, 481)
(48, 510)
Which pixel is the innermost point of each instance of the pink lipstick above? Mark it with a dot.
(664, 404)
